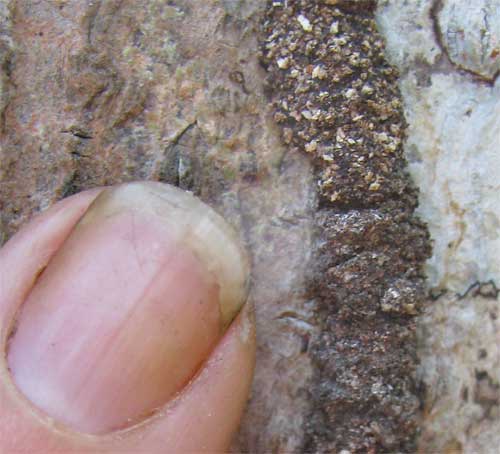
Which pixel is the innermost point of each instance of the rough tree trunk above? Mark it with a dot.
(292, 119)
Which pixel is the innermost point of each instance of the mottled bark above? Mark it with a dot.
(286, 117)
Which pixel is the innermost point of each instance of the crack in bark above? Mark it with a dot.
(435, 10)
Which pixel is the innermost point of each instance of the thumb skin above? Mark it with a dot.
(121, 328)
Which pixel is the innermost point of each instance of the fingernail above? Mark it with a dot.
(128, 309)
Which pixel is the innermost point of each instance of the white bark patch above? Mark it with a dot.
(453, 153)
(452, 147)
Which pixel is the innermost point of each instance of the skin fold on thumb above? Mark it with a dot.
(123, 326)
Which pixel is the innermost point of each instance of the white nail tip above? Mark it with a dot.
(195, 225)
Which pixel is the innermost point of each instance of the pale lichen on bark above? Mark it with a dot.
(448, 54)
